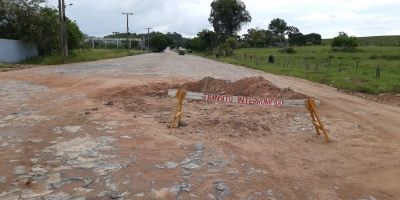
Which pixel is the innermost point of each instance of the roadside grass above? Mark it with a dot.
(83, 56)
(5, 67)
(321, 64)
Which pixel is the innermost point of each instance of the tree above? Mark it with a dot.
(48, 28)
(292, 30)
(159, 42)
(228, 17)
(196, 44)
(344, 43)
(205, 40)
(297, 39)
(278, 27)
(229, 45)
(256, 37)
(314, 38)
(74, 34)
(29, 21)
(176, 38)
(208, 38)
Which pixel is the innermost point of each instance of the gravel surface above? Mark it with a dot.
(167, 64)
(59, 139)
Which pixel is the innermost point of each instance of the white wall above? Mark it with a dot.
(14, 51)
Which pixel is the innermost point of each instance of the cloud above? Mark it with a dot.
(360, 17)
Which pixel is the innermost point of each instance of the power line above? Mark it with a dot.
(94, 20)
(88, 16)
(94, 17)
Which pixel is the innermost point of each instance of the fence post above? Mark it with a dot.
(284, 62)
(378, 72)
(357, 66)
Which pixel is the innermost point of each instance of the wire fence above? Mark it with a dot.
(312, 64)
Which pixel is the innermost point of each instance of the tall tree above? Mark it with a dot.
(278, 27)
(209, 38)
(228, 17)
(292, 30)
(258, 37)
(297, 39)
(205, 40)
(29, 21)
(176, 38)
(75, 35)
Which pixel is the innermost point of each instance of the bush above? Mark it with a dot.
(230, 45)
(309, 44)
(288, 50)
(373, 57)
(343, 42)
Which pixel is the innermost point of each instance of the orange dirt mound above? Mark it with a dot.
(252, 87)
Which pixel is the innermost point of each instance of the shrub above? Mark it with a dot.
(343, 42)
(309, 44)
(230, 45)
(288, 50)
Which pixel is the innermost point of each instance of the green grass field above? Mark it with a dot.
(389, 40)
(337, 69)
(83, 56)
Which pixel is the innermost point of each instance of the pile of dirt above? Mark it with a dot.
(249, 87)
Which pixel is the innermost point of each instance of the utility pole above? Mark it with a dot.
(127, 27)
(65, 31)
(60, 14)
(148, 37)
(63, 28)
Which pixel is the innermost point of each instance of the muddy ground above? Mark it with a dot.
(62, 138)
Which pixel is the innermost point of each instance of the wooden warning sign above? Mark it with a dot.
(180, 95)
(276, 102)
(310, 104)
(311, 107)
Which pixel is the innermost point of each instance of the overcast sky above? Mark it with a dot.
(327, 17)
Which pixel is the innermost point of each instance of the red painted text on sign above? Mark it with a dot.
(244, 100)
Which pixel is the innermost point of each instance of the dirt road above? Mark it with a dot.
(59, 140)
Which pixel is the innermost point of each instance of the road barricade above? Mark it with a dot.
(310, 104)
